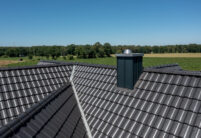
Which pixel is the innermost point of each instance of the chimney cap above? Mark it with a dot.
(127, 51)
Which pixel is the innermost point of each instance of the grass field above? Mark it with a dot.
(189, 62)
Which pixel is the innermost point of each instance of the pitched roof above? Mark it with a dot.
(57, 115)
(22, 87)
(170, 103)
(163, 103)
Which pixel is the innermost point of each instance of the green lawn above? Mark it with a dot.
(185, 63)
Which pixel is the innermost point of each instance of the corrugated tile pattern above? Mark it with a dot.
(106, 107)
(95, 87)
(21, 88)
(59, 117)
(161, 105)
(169, 105)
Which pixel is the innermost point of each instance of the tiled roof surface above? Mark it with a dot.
(57, 115)
(164, 102)
(22, 87)
(168, 105)
(95, 88)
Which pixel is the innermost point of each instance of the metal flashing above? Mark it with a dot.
(130, 55)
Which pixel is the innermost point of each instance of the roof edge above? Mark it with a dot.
(164, 66)
(57, 61)
(174, 72)
(80, 64)
(32, 67)
(96, 65)
(16, 123)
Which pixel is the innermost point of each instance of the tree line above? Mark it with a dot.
(93, 51)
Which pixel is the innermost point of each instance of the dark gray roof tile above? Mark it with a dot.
(159, 98)
(51, 117)
(195, 132)
(25, 86)
(165, 101)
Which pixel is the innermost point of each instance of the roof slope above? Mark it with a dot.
(22, 87)
(56, 116)
(96, 89)
(167, 104)
(162, 103)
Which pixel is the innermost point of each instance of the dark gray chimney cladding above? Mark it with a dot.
(129, 68)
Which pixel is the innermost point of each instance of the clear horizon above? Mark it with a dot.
(95, 42)
(119, 22)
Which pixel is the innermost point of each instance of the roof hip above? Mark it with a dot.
(79, 105)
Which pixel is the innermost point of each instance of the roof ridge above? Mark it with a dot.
(15, 124)
(31, 67)
(97, 65)
(164, 65)
(174, 72)
(81, 64)
(56, 61)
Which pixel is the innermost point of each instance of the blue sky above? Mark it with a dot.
(62, 22)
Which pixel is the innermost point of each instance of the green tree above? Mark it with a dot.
(71, 49)
(101, 52)
(2, 51)
(11, 52)
(92, 53)
(97, 46)
(54, 52)
(107, 49)
(79, 51)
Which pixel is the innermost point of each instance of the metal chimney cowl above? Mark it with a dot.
(129, 68)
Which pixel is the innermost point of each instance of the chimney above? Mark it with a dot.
(129, 68)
